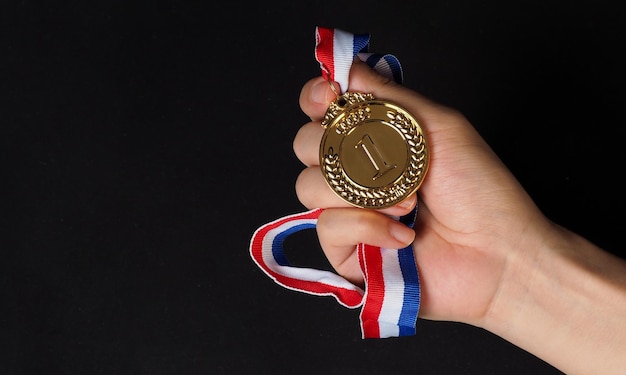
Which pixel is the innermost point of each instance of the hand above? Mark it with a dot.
(471, 212)
(486, 254)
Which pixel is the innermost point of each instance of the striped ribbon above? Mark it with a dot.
(267, 251)
(335, 50)
(391, 299)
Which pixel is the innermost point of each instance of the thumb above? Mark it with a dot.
(366, 80)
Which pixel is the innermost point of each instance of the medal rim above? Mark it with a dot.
(382, 196)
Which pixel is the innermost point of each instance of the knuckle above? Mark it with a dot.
(303, 191)
(365, 225)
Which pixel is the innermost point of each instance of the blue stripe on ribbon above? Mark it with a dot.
(360, 43)
(373, 60)
(411, 298)
(396, 69)
(278, 251)
(392, 62)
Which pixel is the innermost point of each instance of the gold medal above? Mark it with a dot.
(373, 153)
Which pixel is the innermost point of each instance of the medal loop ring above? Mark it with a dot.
(332, 87)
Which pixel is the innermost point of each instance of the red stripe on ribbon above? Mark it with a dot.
(324, 52)
(375, 289)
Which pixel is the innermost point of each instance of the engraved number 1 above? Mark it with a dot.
(374, 156)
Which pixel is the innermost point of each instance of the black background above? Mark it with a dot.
(143, 142)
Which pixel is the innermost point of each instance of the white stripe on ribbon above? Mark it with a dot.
(343, 55)
(394, 294)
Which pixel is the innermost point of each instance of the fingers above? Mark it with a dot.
(306, 143)
(340, 230)
(313, 191)
(315, 97)
(316, 94)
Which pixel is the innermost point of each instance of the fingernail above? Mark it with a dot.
(408, 203)
(319, 92)
(401, 232)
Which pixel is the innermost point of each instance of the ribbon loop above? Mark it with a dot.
(266, 249)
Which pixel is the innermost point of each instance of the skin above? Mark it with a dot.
(486, 254)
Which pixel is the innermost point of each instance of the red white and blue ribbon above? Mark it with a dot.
(391, 299)
(267, 251)
(336, 49)
(390, 302)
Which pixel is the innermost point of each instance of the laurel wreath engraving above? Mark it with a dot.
(386, 195)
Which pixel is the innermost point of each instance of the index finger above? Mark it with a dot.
(315, 97)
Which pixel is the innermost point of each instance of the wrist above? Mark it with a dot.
(562, 298)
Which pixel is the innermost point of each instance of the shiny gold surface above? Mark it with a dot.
(373, 154)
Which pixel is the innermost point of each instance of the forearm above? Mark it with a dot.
(564, 300)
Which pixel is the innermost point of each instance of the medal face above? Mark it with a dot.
(373, 153)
